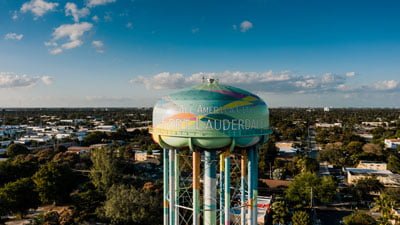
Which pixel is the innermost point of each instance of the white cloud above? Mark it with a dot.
(12, 80)
(72, 33)
(350, 74)
(195, 30)
(13, 36)
(38, 7)
(98, 45)
(386, 85)
(14, 15)
(72, 10)
(47, 80)
(93, 3)
(129, 25)
(95, 18)
(245, 26)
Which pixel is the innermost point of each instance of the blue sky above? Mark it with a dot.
(129, 53)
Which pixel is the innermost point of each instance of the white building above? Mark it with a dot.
(327, 125)
(392, 143)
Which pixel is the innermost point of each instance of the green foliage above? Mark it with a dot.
(301, 218)
(16, 149)
(384, 204)
(306, 164)
(86, 201)
(18, 197)
(104, 172)
(393, 163)
(299, 190)
(280, 212)
(18, 167)
(127, 205)
(358, 218)
(267, 155)
(54, 182)
(364, 187)
(94, 138)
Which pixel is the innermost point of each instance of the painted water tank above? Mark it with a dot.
(211, 116)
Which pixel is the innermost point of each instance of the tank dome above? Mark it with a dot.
(210, 116)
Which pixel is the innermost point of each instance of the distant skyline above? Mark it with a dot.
(129, 53)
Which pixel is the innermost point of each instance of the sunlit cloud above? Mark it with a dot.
(38, 7)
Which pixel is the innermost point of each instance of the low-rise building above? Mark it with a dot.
(392, 143)
(386, 177)
(327, 125)
(372, 165)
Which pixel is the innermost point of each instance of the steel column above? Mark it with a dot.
(243, 167)
(210, 190)
(176, 184)
(172, 187)
(252, 209)
(255, 184)
(227, 185)
(196, 187)
(222, 187)
(166, 186)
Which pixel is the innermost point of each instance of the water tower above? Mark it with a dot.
(201, 129)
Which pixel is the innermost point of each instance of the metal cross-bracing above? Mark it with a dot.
(210, 187)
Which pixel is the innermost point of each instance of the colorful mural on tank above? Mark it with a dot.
(210, 110)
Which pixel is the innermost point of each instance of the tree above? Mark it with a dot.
(279, 212)
(16, 149)
(267, 155)
(104, 172)
(326, 190)
(384, 205)
(94, 138)
(393, 163)
(365, 186)
(299, 190)
(301, 218)
(306, 164)
(127, 205)
(358, 218)
(18, 197)
(54, 182)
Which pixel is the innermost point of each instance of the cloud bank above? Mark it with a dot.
(12, 80)
(269, 82)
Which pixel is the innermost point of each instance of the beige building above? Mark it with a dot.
(387, 178)
(372, 165)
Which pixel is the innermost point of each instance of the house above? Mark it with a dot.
(392, 143)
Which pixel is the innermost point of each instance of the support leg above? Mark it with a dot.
(176, 185)
(172, 187)
(243, 166)
(166, 186)
(196, 188)
(210, 190)
(227, 185)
